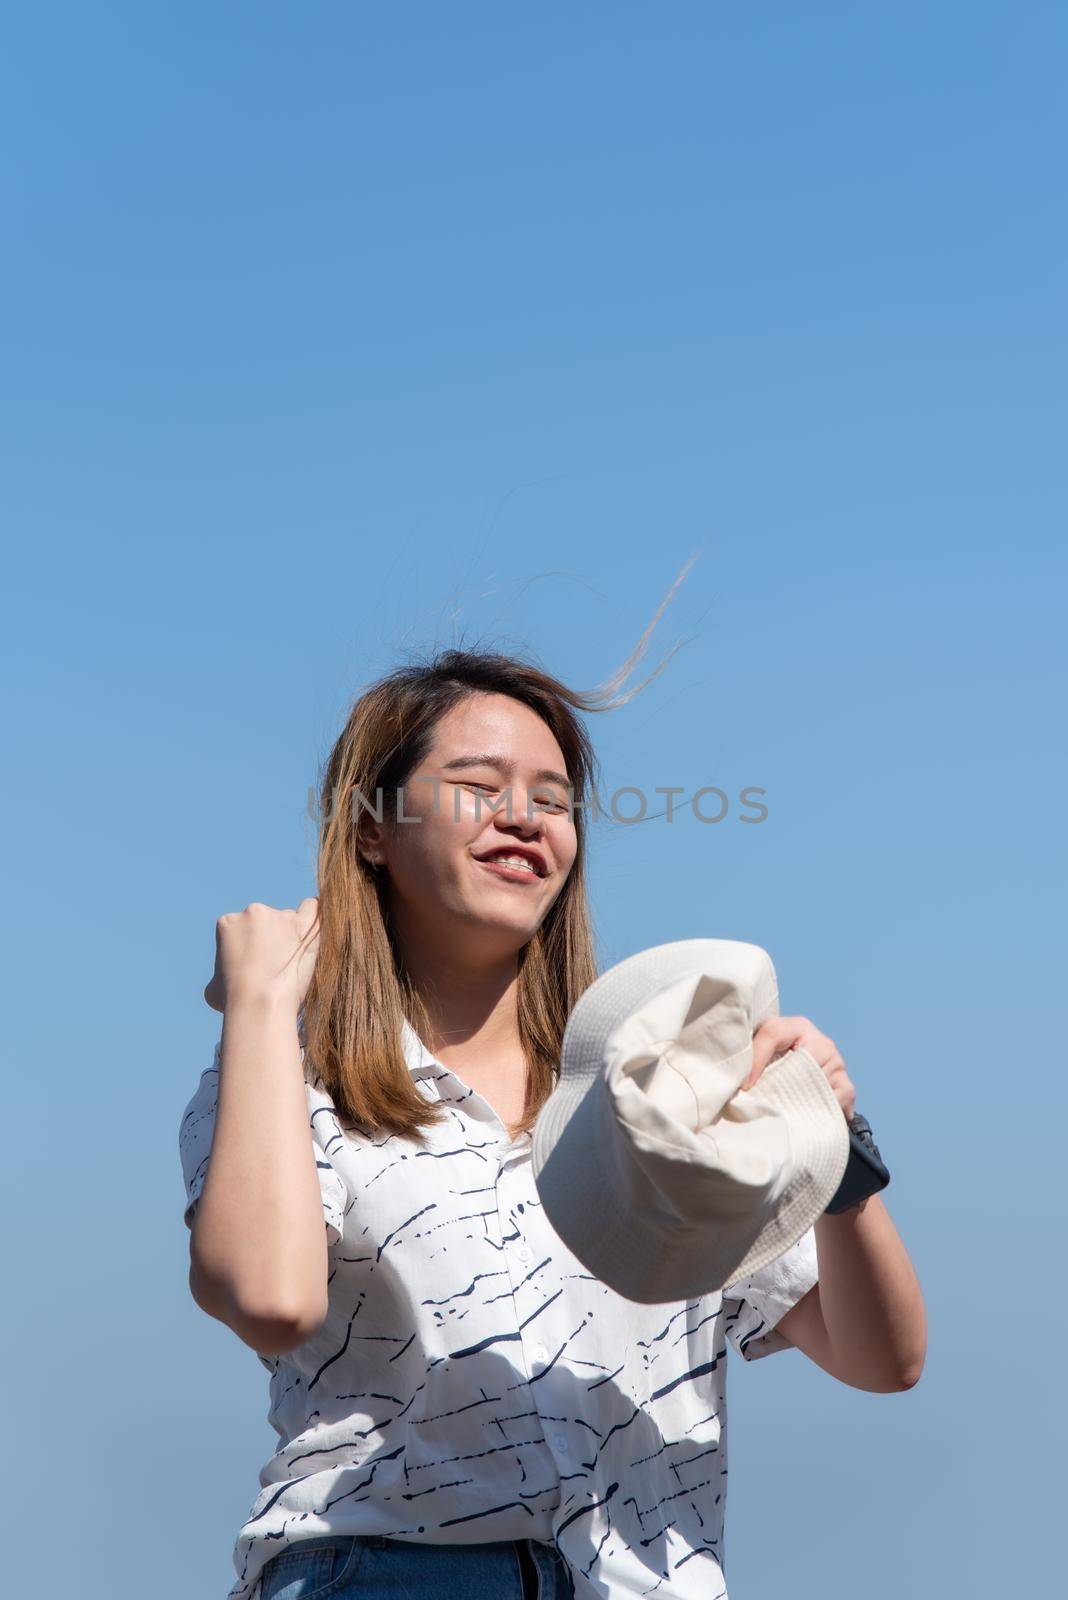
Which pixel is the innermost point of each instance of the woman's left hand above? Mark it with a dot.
(780, 1034)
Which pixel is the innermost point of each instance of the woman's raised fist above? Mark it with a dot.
(264, 953)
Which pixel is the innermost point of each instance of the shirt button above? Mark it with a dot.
(540, 1354)
(523, 1252)
(560, 1443)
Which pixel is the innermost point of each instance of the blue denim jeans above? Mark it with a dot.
(351, 1566)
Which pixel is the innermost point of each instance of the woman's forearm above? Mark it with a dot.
(258, 1252)
(870, 1298)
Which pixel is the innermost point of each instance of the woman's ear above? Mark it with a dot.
(369, 844)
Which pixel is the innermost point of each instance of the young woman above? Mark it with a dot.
(462, 1410)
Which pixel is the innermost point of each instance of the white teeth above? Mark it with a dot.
(515, 861)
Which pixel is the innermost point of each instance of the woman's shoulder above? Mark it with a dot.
(328, 1117)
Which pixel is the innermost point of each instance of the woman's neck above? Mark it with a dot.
(471, 1007)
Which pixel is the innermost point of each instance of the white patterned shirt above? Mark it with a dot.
(472, 1381)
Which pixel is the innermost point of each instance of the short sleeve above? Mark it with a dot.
(197, 1128)
(753, 1306)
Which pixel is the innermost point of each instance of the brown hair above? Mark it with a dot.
(360, 993)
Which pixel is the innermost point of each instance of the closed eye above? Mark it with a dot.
(545, 803)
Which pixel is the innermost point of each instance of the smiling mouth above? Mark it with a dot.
(510, 872)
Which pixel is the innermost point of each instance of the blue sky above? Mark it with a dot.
(336, 332)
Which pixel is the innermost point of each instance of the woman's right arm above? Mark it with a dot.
(258, 1247)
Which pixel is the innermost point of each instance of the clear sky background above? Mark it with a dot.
(341, 331)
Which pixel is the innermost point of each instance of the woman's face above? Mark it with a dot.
(493, 782)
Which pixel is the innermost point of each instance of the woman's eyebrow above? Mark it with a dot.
(502, 764)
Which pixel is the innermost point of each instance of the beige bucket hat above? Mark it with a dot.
(661, 1173)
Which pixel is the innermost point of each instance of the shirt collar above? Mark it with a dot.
(420, 1061)
(421, 1064)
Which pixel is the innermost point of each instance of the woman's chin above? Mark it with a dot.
(496, 925)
